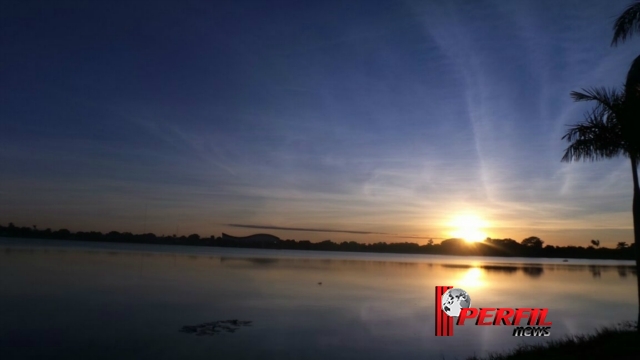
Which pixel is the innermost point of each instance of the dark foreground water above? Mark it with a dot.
(73, 300)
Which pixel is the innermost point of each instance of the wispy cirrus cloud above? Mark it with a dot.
(251, 226)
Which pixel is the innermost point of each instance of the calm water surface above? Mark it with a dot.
(73, 300)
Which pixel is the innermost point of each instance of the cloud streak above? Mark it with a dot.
(249, 226)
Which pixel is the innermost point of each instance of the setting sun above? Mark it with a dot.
(468, 227)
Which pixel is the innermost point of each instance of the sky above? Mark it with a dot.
(311, 120)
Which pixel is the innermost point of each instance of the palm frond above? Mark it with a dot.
(598, 137)
(626, 24)
(608, 98)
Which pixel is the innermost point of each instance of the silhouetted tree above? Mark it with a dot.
(490, 247)
(62, 234)
(533, 242)
(626, 24)
(607, 132)
(595, 243)
(622, 245)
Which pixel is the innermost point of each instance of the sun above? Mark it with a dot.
(468, 227)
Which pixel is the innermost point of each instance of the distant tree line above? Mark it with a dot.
(529, 247)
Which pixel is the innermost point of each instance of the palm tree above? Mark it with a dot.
(624, 27)
(610, 130)
(626, 24)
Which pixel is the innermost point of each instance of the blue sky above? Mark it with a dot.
(385, 119)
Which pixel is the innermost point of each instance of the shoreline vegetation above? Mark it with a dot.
(619, 342)
(529, 247)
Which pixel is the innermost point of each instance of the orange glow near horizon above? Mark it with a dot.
(468, 227)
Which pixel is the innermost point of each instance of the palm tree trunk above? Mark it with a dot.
(636, 226)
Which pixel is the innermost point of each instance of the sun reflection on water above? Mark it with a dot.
(472, 278)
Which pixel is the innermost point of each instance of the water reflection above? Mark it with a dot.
(536, 271)
(215, 327)
(471, 279)
(501, 269)
(622, 271)
(378, 307)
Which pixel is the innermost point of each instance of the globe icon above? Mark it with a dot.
(455, 300)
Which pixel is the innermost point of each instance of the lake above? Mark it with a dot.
(77, 300)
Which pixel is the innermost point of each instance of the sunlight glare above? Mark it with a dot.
(469, 228)
(472, 278)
